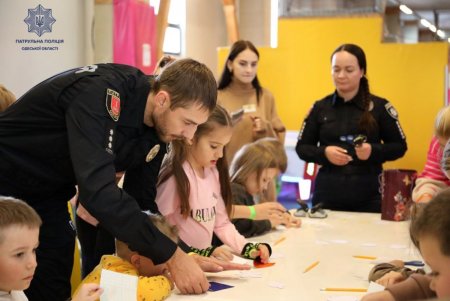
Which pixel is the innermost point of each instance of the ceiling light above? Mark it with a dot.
(406, 9)
(425, 23)
(440, 33)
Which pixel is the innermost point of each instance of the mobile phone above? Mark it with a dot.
(359, 140)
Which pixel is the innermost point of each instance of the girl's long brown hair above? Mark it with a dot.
(173, 165)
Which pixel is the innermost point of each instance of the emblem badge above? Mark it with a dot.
(391, 111)
(152, 153)
(113, 104)
(39, 20)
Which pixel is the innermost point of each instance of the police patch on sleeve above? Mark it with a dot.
(113, 104)
(391, 110)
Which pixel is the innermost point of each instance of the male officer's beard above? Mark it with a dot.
(160, 125)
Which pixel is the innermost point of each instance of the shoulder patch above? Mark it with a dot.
(391, 110)
(152, 153)
(113, 104)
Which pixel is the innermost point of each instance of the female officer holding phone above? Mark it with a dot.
(350, 133)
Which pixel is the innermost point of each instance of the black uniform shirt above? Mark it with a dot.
(332, 121)
(80, 127)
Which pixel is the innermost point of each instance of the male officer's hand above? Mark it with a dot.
(187, 274)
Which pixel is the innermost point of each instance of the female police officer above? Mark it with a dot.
(350, 133)
(82, 126)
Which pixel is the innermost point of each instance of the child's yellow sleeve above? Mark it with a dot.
(153, 288)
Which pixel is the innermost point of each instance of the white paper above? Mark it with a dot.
(276, 284)
(369, 244)
(374, 287)
(118, 286)
(339, 241)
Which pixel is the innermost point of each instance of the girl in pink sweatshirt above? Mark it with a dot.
(194, 191)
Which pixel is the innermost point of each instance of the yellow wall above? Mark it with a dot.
(411, 76)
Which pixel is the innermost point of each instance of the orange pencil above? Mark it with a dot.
(311, 266)
(279, 240)
(365, 257)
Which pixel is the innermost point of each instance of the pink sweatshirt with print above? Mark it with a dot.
(432, 180)
(208, 213)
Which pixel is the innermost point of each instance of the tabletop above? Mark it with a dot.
(333, 242)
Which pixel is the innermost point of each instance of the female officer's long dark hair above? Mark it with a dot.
(367, 123)
(225, 78)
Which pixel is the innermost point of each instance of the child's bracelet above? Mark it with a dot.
(252, 212)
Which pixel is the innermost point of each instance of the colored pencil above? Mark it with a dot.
(313, 265)
(365, 257)
(279, 240)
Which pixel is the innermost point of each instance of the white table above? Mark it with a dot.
(333, 241)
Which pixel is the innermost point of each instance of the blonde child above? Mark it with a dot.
(252, 170)
(268, 207)
(154, 281)
(278, 152)
(19, 239)
(432, 179)
(430, 234)
(6, 98)
(194, 191)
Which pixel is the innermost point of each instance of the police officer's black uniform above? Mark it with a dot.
(355, 186)
(81, 127)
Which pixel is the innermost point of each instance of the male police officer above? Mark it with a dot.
(82, 126)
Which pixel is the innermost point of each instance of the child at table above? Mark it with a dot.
(253, 168)
(19, 239)
(430, 234)
(432, 179)
(194, 191)
(154, 281)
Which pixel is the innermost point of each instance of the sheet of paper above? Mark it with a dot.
(374, 287)
(276, 284)
(118, 286)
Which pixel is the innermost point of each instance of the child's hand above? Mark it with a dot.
(263, 253)
(88, 292)
(264, 210)
(290, 221)
(222, 253)
(276, 219)
(390, 278)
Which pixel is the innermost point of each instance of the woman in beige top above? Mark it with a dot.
(239, 89)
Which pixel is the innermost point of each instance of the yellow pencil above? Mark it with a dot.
(311, 266)
(344, 289)
(279, 240)
(365, 257)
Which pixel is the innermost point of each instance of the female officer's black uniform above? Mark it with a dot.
(355, 186)
(79, 128)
